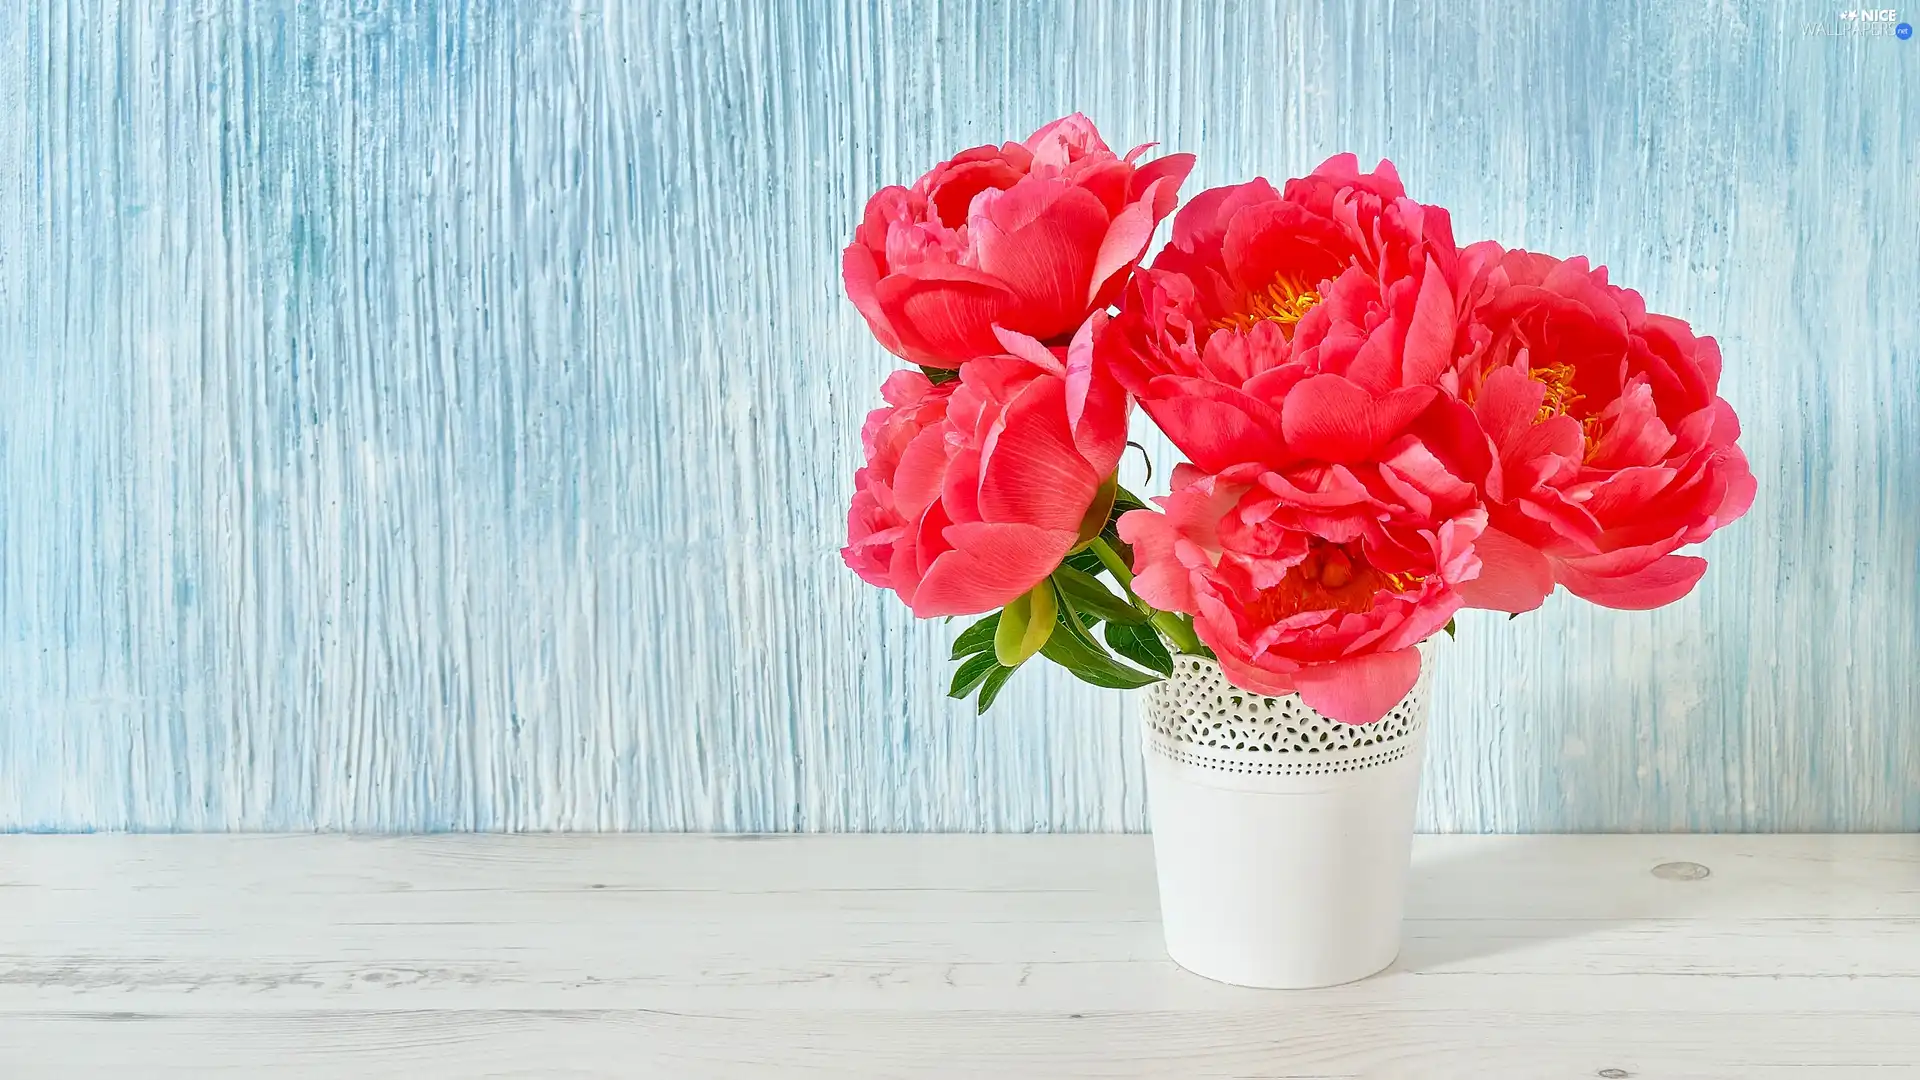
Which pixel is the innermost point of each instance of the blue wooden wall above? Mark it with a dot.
(440, 415)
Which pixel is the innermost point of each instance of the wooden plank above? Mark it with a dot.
(864, 955)
(1570, 876)
(1293, 1039)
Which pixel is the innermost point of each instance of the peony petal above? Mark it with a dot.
(1359, 689)
(1429, 345)
(1030, 350)
(960, 487)
(1557, 437)
(873, 533)
(1344, 166)
(943, 314)
(861, 273)
(987, 566)
(1623, 496)
(1329, 419)
(1631, 432)
(1508, 403)
(1159, 577)
(906, 388)
(1659, 584)
(1097, 406)
(1374, 367)
(1202, 223)
(1427, 618)
(922, 471)
(1170, 167)
(1030, 469)
(1513, 576)
(1420, 479)
(1125, 242)
(1268, 384)
(1449, 431)
(1110, 181)
(1621, 558)
(1073, 132)
(1042, 240)
(1741, 487)
(929, 543)
(1274, 239)
(1543, 512)
(1216, 427)
(962, 181)
(1395, 411)
(1244, 675)
(903, 569)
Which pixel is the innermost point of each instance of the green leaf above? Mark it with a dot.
(1093, 666)
(990, 689)
(1085, 561)
(937, 375)
(971, 674)
(1120, 547)
(1141, 645)
(1025, 625)
(1449, 628)
(1124, 500)
(1086, 593)
(976, 638)
(1074, 621)
(1512, 616)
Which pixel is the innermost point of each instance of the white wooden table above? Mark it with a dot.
(965, 956)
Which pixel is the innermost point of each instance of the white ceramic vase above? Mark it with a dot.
(1281, 838)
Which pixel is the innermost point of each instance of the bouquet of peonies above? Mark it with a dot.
(1381, 426)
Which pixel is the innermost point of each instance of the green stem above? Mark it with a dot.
(1118, 566)
(1179, 631)
(1171, 623)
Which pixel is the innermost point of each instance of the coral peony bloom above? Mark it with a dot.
(1030, 237)
(876, 529)
(1318, 580)
(1595, 432)
(975, 489)
(1309, 325)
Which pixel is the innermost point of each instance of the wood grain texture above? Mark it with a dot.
(883, 956)
(439, 415)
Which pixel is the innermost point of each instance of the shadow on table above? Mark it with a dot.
(1473, 898)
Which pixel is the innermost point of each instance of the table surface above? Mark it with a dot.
(967, 956)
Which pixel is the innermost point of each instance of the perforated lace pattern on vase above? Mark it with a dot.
(1199, 718)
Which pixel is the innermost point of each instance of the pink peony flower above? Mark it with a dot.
(876, 528)
(1317, 580)
(1306, 326)
(976, 489)
(1594, 431)
(1029, 237)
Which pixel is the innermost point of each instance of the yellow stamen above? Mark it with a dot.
(1590, 430)
(1561, 396)
(1403, 582)
(1286, 302)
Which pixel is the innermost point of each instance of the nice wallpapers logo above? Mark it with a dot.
(1863, 22)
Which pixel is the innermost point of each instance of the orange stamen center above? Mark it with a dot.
(1560, 400)
(1561, 396)
(1286, 301)
(1333, 577)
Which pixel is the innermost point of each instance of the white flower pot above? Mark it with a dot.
(1281, 838)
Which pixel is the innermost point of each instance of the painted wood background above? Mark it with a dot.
(422, 416)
